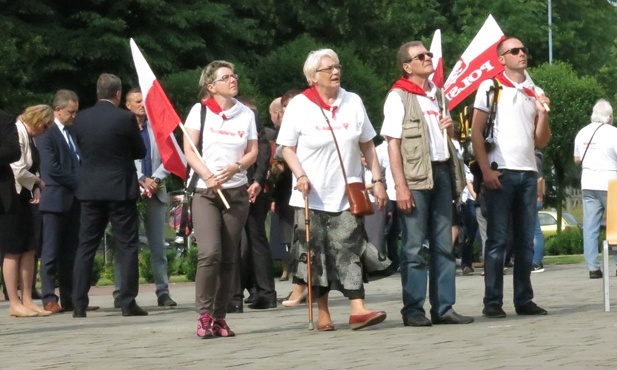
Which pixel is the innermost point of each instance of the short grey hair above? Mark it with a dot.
(602, 112)
(313, 62)
(62, 98)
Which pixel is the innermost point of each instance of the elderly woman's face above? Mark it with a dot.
(328, 74)
(225, 83)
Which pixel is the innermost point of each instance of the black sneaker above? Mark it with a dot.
(493, 312)
(537, 268)
(165, 301)
(417, 320)
(530, 308)
(595, 274)
(467, 271)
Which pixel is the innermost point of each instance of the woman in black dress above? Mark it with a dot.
(17, 240)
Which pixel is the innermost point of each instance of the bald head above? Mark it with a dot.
(276, 112)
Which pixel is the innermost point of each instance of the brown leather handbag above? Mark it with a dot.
(359, 201)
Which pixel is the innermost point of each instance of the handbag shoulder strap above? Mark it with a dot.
(193, 181)
(589, 143)
(338, 151)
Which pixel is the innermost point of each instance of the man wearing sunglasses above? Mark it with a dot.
(509, 172)
(422, 167)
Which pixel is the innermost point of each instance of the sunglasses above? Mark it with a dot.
(421, 57)
(515, 51)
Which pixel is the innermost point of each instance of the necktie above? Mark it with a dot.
(70, 142)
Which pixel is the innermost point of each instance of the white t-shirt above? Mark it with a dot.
(224, 141)
(394, 113)
(305, 127)
(600, 162)
(384, 161)
(514, 125)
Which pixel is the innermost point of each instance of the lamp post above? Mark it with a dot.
(550, 33)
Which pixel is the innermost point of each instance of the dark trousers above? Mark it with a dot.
(254, 266)
(60, 243)
(94, 218)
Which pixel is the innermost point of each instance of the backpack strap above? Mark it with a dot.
(492, 98)
(192, 183)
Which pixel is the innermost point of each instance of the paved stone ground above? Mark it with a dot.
(576, 334)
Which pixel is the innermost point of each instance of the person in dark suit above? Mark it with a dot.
(109, 140)
(60, 162)
(254, 265)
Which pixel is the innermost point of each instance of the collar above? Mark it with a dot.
(526, 86)
(413, 88)
(59, 124)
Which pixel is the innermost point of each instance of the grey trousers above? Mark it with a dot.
(217, 231)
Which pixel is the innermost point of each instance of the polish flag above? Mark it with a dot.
(478, 63)
(437, 76)
(161, 114)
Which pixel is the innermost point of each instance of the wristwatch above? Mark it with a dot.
(240, 167)
(376, 181)
(157, 180)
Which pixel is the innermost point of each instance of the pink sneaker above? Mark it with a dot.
(204, 326)
(221, 329)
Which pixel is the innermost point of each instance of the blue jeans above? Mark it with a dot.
(471, 229)
(430, 219)
(594, 205)
(515, 201)
(538, 240)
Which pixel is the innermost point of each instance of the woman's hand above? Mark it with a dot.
(303, 185)
(213, 183)
(226, 173)
(36, 195)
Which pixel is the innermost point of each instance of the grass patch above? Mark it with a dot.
(563, 260)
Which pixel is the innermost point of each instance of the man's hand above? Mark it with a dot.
(253, 191)
(151, 185)
(491, 179)
(404, 198)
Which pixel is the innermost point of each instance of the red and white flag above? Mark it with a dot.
(161, 114)
(478, 63)
(437, 77)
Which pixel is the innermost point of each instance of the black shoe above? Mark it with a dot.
(117, 303)
(595, 274)
(232, 308)
(452, 318)
(250, 299)
(530, 308)
(134, 310)
(263, 303)
(417, 320)
(493, 312)
(77, 313)
(165, 301)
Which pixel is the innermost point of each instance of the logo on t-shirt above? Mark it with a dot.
(227, 133)
(327, 128)
(241, 133)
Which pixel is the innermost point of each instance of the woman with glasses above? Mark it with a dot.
(17, 234)
(340, 254)
(227, 143)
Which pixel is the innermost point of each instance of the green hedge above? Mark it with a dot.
(566, 242)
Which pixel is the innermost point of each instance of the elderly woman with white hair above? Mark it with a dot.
(595, 149)
(341, 257)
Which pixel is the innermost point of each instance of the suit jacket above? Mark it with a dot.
(109, 140)
(258, 172)
(157, 165)
(9, 152)
(59, 170)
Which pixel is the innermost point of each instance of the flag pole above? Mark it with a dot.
(220, 193)
(443, 114)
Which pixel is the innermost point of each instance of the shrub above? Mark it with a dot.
(189, 264)
(145, 266)
(173, 263)
(97, 268)
(566, 242)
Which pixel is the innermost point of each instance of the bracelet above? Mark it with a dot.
(298, 179)
(376, 181)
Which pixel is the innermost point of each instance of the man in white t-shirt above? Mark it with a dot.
(421, 167)
(595, 149)
(509, 174)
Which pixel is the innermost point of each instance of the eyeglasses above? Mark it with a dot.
(515, 51)
(421, 57)
(226, 78)
(330, 70)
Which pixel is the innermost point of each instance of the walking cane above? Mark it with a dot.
(307, 226)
